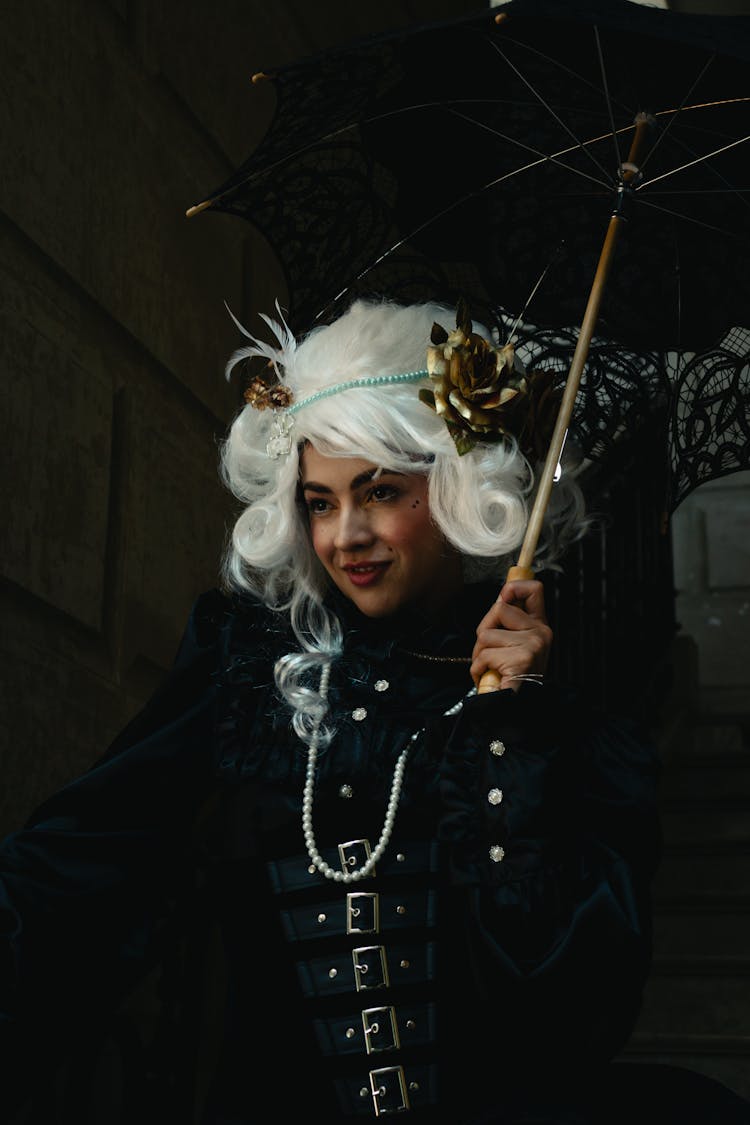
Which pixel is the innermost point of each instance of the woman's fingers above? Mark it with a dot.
(513, 638)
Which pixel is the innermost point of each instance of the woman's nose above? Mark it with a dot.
(352, 529)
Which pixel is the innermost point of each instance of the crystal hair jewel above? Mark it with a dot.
(279, 443)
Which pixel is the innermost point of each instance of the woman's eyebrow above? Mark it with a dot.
(360, 479)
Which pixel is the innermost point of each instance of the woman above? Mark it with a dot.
(433, 900)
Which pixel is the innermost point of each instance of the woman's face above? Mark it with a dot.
(373, 533)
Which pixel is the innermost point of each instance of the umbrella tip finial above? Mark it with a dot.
(198, 208)
(259, 76)
(501, 17)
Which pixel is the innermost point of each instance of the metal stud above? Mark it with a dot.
(333, 973)
(346, 791)
(381, 685)
(497, 747)
(321, 917)
(495, 796)
(497, 854)
(359, 713)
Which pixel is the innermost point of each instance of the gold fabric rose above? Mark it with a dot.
(480, 394)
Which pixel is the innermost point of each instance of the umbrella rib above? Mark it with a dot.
(457, 203)
(544, 158)
(692, 163)
(685, 218)
(676, 113)
(608, 100)
(548, 107)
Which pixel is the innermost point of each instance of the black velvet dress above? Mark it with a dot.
(487, 972)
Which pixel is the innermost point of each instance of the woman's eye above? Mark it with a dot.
(317, 507)
(382, 492)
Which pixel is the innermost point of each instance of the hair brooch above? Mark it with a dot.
(261, 394)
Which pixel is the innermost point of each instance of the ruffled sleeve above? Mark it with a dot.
(553, 833)
(87, 882)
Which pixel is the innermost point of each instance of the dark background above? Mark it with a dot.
(115, 117)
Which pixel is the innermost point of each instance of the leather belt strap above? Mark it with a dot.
(390, 1090)
(367, 968)
(360, 912)
(374, 1029)
(408, 858)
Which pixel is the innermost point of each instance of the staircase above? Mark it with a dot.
(696, 1010)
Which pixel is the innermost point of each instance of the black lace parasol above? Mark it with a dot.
(474, 158)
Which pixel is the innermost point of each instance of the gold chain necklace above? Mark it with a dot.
(437, 659)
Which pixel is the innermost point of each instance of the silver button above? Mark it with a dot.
(333, 973)
(497, 853)
(381, 685)
(346, 791)
(350, 1033)
(359, 713)
(400, 857)
(321, 918)
(401, 910)
(495, 796)
(497, 747)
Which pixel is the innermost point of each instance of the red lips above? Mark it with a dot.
(366, 573)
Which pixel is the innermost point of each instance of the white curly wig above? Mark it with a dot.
(478, 500)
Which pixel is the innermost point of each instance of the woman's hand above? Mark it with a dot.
(513, 639)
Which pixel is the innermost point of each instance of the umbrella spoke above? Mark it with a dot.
(676, 113)
(692, 163)
(687, 218)
(545, 158)
(542, 101)
(608, 100)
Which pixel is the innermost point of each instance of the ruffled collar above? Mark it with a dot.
(253, 730)
(452, 633)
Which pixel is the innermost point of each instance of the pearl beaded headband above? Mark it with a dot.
(482, 392)
(279, 443)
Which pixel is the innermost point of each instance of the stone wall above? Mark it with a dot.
(115, 118)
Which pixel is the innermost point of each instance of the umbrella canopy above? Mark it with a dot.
(472, 158)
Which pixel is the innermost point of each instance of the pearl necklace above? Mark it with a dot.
(390, 813)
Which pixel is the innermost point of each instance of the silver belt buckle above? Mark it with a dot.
(363, 907)
(354, 854)
(377, 1027)
(388, 1087)
(366, 958)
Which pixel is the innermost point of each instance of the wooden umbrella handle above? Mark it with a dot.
(490, 680)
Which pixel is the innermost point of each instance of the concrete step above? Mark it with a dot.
(713, 871)
(698, 996)
(706, 822)
(710, 736)
(718, 927)
(720, 777)
(725, 1059)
